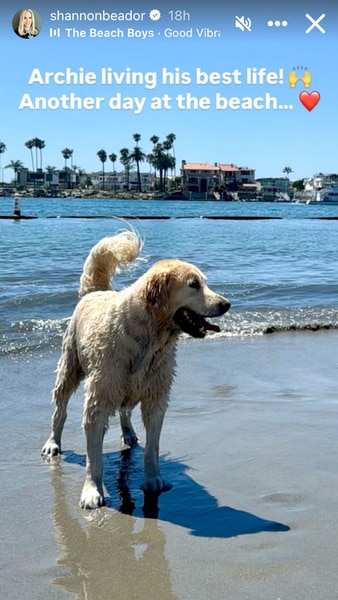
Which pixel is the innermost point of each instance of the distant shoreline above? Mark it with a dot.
(111, 195)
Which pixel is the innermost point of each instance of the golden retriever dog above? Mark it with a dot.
(123, 344)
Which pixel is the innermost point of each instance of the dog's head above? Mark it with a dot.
(179, 291)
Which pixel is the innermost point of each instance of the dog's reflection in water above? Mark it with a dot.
(110, 553)
(118, 551)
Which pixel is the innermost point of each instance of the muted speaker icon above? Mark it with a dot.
(243, 23)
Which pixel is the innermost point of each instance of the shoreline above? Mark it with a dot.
(133, 195)
(105, 195)
(249, 444)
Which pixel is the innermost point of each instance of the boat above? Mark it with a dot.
(325, 196)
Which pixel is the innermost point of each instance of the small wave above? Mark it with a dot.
(249, 323)
(40, 325)
(269, 329)
(30, 335)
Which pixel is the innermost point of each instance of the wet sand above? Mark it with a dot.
(250, 445)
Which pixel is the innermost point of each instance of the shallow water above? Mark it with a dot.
(251, 453)
(279, 274)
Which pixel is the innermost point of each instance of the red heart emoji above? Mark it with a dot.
(309, 100)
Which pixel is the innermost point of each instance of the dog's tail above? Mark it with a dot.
(106, 258)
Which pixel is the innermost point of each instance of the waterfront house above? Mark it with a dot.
(274, 187)
(206, 179)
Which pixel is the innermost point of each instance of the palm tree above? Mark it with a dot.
(287, 170)
(168, 161)
(50, 170)
(16, 165)
(162, 161)
(154, 139)
(154, 159)
(2, 150)
(66, 153)
(150, 158)
(102, 154)
(171, 137)
(36, 144)
(126, 160)
(113, 158)
(160, 158)
(137, 137)
(40, 145)
(168, 164)
(138, 156)
(30, 145)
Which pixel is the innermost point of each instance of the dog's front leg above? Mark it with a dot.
(153, 419)
(53, 445)
(92, 492)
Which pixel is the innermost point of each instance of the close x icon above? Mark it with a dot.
(315, 23)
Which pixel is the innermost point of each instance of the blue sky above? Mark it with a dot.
(265, 140)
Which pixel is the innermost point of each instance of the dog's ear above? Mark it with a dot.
(157, 289)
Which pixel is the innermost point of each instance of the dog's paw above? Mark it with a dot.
(129, 439)
(154, 484)
(91, 497)
(50, 449)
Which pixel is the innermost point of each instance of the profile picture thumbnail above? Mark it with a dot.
(27, 23)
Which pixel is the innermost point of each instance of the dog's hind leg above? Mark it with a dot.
(92, 491)
(95, 424)
(69, 375)
(129, 436)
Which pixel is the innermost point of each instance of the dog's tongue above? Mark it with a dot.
(208, 326)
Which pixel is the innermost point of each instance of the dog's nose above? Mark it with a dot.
(224, 306)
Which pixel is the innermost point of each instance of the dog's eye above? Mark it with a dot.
(195, 284)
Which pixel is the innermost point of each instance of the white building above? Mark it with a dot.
(320, 181)
(118, 181)
(272, 188)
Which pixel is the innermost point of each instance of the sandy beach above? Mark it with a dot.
(250, 446)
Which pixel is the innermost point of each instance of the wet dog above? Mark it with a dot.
(123, 344)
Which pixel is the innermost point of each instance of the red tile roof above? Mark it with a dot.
(233, 167)
(213, 167)
(200, 167)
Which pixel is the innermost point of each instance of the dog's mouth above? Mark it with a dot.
(192, 323)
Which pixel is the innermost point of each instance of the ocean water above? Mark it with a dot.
(279, 273)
